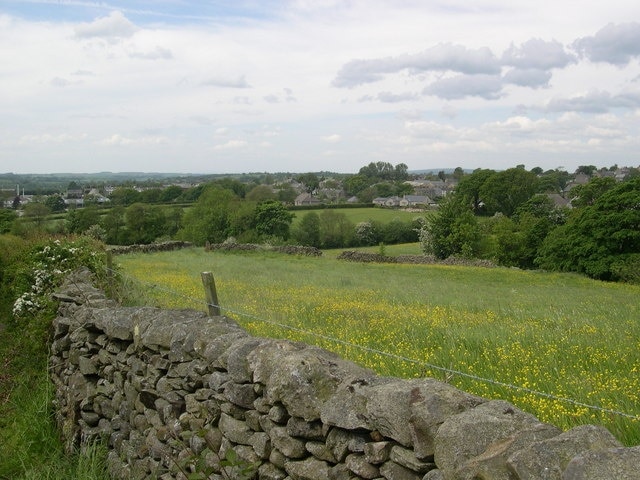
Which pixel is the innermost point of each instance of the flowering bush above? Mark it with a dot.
(44, 267)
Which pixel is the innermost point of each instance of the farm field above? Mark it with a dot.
(555, 345)
(357, 215)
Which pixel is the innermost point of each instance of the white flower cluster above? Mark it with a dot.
(26, 304)
(51, 263)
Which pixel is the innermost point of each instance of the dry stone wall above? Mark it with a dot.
(175, 393)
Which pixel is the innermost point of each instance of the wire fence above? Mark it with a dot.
(395, 357)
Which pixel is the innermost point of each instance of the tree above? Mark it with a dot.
(399, 231)
(308, 230)
(552, 181)
(171, 193)
(519, 238)
(587, 194)
(238, 188)
(400, 172)
(81, 219)
(125, 196)
(403, 188)
(587, 169)
(7, 217)
(470, 186)
(242, 223)
(335, 229)
(151, 195)
(114, 225)
(36, 212)
(287, 194)
(452, 231)
(601, 240)
(356, 184)
(260, 193)
(209, 220)
(144, 223)
(368, 233)
(272, 219)
(310, 181)
(505, 191)
(55, 203)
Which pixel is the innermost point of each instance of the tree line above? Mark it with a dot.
(507, 217)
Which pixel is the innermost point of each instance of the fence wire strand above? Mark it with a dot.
(421, 363)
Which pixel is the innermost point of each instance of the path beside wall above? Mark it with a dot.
(174, 391)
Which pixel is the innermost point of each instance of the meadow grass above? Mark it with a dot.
(376, 214)
(559, 334)
(30, 445)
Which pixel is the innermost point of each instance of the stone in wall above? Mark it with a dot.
(175, 393)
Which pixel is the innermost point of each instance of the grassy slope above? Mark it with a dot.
(357, 215)
(556, 333)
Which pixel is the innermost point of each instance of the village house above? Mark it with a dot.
(406, 201)
(306, 199)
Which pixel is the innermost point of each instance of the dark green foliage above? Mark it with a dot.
(587, 194)
(125, 196)
(36, 212)
(260, 193)
(310, 181)
(210, 219)
(601, 240)
(55, 203)
(452, 231)
(551, 181)
(272, 219)
(308, 230)
(335, 230)
(398, 231)
(81, 219)
(468, 190)
(114, 225)
(505, 191)
(170, 194)
(7, 217)
(144, 223)
(287, 194)
(356, 184)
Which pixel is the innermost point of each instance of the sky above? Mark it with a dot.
(317, 85)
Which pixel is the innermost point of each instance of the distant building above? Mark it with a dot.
(306, 199)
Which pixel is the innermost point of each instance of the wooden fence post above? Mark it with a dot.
(210, 292)
(109, 267)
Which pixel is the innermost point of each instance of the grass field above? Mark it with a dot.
(560, 334)
(357, 215)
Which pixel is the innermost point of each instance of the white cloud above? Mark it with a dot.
(616, 44)
(538, 54)
(231, 145)
(530, 77)
(118, 140)
(595, 101)
(488, 87)
(112, 27)
(49, 138)
(335, 138)
(158, 53)
(227, 82)
(442, 57)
